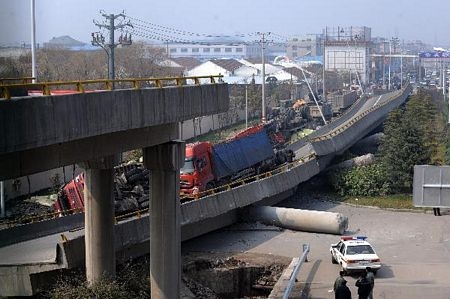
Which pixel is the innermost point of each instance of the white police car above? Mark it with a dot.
(354, 254)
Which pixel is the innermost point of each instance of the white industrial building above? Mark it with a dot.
(225, 67)
(348, 49)
(204, 51)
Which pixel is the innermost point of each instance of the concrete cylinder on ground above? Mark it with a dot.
(303, 220)
(164, 162)
(99, 218)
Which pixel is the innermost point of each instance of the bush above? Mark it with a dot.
(368, 180)
(132, 281)
(79, 288)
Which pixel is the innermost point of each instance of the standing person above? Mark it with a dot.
(339, 281)
(343, 292)
(437, 211)
(371, 278)
(364, 287)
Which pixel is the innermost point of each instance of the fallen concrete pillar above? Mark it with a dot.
(164, 162)
(303, 220)
(367, 145)
(357, 161)
(99, 218)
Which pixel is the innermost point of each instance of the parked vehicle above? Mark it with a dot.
(354, 253)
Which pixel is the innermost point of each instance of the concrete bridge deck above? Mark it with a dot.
(38, 133)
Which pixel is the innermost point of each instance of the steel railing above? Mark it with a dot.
(292, 279)
(105, 84)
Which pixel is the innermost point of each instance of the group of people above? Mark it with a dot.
(365, 284)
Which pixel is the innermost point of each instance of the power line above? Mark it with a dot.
(152, 26)
(154, 31)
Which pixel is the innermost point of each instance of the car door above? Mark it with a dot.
(341, 253)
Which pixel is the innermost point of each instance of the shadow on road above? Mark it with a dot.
(307, 285)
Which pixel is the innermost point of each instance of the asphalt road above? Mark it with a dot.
(414, 249)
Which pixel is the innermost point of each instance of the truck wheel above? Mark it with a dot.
(210, 185)
(135, 177)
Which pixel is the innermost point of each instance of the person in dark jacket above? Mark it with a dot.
(339, 281)
(371, 277)
(343, 292)
(364, 286)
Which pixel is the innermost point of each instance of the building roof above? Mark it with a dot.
(65, 41)
(254, 60)
(228, 64)
(186, 62)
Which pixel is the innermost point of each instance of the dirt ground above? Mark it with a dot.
(214, 264)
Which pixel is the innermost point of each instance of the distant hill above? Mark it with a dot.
(64, 41)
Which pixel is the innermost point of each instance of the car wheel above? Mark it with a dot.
(333, 260)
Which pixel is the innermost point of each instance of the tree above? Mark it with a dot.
(136, 61)
(60, 64)
(12, 67)
(140, 61)
(412, 137)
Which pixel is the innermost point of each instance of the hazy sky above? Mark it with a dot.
(428, 21)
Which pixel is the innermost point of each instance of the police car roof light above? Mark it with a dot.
(348, 238)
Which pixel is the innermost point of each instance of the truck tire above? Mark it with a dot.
(210, 185)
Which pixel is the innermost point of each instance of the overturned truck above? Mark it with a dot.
(255, 150)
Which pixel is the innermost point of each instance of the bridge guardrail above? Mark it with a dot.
(108, 84)
(24, 80)
(337, 128)
(332, 141)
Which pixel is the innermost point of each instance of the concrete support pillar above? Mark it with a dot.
(99, 218)
(164, 162)
(297, 219)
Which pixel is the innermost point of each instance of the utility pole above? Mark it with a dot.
(246, 105)
(394, 41)
(389, 74)
(324, 94)
(263, 42)
(33, 42)
(99, 40)
(167, 48)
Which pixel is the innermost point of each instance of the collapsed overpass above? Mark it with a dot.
(219, 208)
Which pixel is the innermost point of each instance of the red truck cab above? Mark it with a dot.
(197, 175)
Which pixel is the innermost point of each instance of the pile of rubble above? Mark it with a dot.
(131, 188)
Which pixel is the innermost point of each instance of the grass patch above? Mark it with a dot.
(396, 201)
